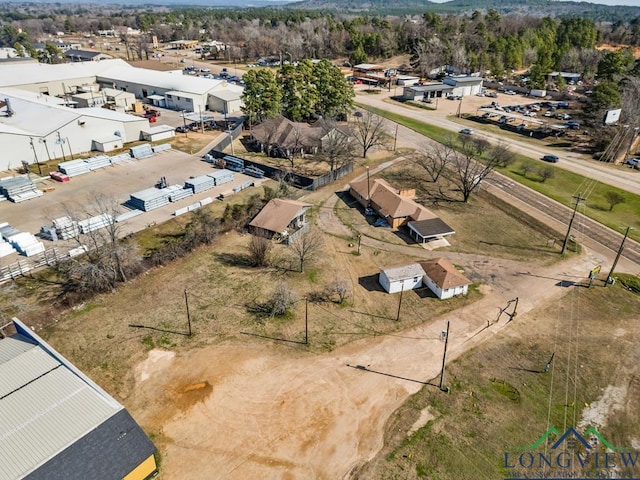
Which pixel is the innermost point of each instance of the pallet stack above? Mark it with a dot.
(66, 228)
(179, 193)
(95, 223)
(120, 158)
(149, 199)
(234, 164)
(221, 176)
(19, 189)
(200, 184)
(100, 161)
(253, 171)
(26, 243)
(5, 248)
(162, 147)
(74, 168)
(141, 151)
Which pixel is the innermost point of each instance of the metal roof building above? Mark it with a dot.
(55, 423)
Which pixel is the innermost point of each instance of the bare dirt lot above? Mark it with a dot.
(246, 409)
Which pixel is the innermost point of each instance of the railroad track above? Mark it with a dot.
(586, 226)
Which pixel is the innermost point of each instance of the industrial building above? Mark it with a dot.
(181, 92)
(38, 128)
(38, 123)
(58, 424)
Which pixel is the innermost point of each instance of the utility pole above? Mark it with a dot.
(35, 155)
(400, 303)
(615, 262)
(70, 151)
(306, 321)
(359, 242)
(61, 141)
(184, 123)
(444, 356)
(395, 138)
(578, 199)
(368, 190)
(186, 301)
(547, 367)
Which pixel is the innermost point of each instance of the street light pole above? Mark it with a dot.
(615, 262)
(184, 122)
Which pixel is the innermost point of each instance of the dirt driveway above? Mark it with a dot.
(265, 410)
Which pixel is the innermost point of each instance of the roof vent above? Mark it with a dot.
(7, 103)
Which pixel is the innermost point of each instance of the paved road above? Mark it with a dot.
(617, 176)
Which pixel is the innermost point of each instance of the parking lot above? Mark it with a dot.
(115, 181)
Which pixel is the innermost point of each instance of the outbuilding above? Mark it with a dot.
(403, 277)
(107, 144)
(157, 133)
(444, 279)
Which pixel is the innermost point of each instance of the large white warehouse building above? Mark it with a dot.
(37, 122)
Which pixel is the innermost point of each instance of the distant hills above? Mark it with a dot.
(553, 8)
(504, 7)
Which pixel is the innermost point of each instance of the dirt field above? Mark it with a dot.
(254, 409)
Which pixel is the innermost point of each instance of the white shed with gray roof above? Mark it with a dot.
(403, 277)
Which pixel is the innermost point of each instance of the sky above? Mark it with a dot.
(631, 3)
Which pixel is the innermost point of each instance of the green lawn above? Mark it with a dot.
(562, 187)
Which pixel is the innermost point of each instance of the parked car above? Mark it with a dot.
(550, 158)
(510, 92)
(467, 131)
(492, 94)
(633, 162)
(573, 125)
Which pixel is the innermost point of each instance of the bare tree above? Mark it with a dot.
(203, 227)
(631, 101)
(526, 167)
(260, 250)
(337, 289)
(107, 257)
(435, 159)
(468, 173)
(337, 146)
(307, 246)
(546, 173)
(613, 199)
(428, 55)
(503, 155)
(368, 131)
(281, 301)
